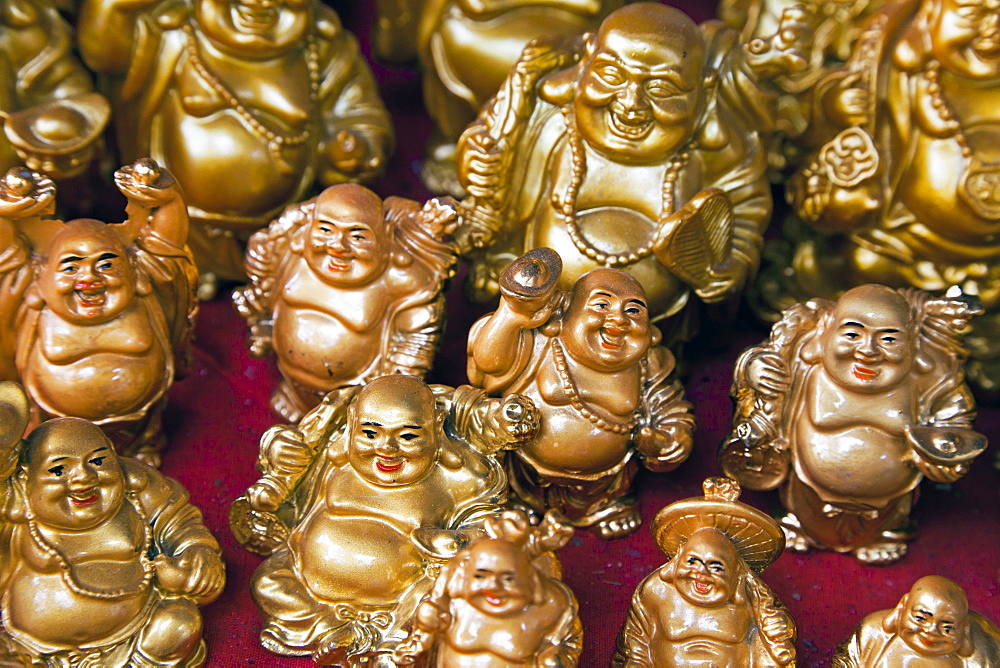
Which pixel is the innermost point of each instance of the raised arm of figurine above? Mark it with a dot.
(667, 438)
(155, 203)
(500, 343)
(107, 31)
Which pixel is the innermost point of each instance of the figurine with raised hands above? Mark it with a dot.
(708, 605)
(345, 287)
(97, 318)
(847, 407)
(105, 562)
(590, 360)
(905, 191)
(497, 603)
(634, 148)
(50, 116)
(372, 489)
(931, 626)
(247, 103)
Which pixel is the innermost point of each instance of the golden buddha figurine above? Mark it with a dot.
(590, 360)
(632, 148)
(707, 606)
(106, 307)
(847, 407)
(345, 287)
(497, 604)
(360, 502)
(104, 561)
(247, 104)
(466, 48)
(931, 626)
(51, 117)
(904, 191)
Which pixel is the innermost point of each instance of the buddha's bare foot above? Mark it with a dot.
(620, 524)
(284, 405)
(795, 540)
(208, 286)
(150, 456)
(881, 553)
(329, 650)
(533, 516)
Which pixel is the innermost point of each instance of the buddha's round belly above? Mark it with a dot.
(356, 559)
(860, 463)
(316, 350)
(614, 230)
(100, 386)
(570, 443)
(44, 607)
(226, 170)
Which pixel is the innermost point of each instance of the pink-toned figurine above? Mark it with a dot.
(590, 360)
(96, 318)
(497, 603)
(847, 407)
(344, 288)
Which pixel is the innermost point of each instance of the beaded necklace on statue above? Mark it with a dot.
(566, 205)
(569, 387)
(66, 568)
(275, 141)
(979, 184)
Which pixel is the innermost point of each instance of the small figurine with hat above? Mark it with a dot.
(707, 604)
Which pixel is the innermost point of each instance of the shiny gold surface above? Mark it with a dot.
(903, 192)
(51, 118)
(466, 48)
(707, 605)
(498, 603)
(105, 562)
(246, 103)
(345, 287)
(635, 147)
(931, 626)
(98, 317)
(360, 505)
(590, 360)
(846, 407)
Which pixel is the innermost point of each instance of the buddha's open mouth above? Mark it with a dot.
(864, 373)
(632, 127)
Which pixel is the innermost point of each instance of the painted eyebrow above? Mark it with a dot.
(108, 256)
(851, 323)
(103, 447)
(371, 424)
(637, 301)
(70, 258)
(413, 426)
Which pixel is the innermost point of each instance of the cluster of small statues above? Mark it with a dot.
(615, 165)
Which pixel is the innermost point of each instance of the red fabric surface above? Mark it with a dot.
(218, 413)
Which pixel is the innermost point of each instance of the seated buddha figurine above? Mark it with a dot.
(633, 148)
(106, 307)
(905, 190)
(847, 407)
(931, 626)
(345, 287)
(358, 501)
(708, 606)
(497, 604)
(248, 104)
(590, 360)
(104, 562)
(50, 116)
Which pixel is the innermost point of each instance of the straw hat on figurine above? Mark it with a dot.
(757, 537)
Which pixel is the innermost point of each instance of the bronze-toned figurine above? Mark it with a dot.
(497, 603)
(847, 407)
(931, 626)
(51, 117)
(707, 605)
(345, 287)
(247, 105)
(466, 49)
(97, 318)
(905, 190)
(360, 501)
(104, 561)
(590, 360)
(632, 148)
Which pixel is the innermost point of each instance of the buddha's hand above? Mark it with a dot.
(665, 447)
(197, 572)
(723, 280)
(350, 155)
(550, 658)
(286, 452)
(439, 216)
(146, 183)
(766, 373)
(480, 162)
(787, 51)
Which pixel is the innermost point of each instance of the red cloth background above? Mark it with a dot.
(217, 414)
